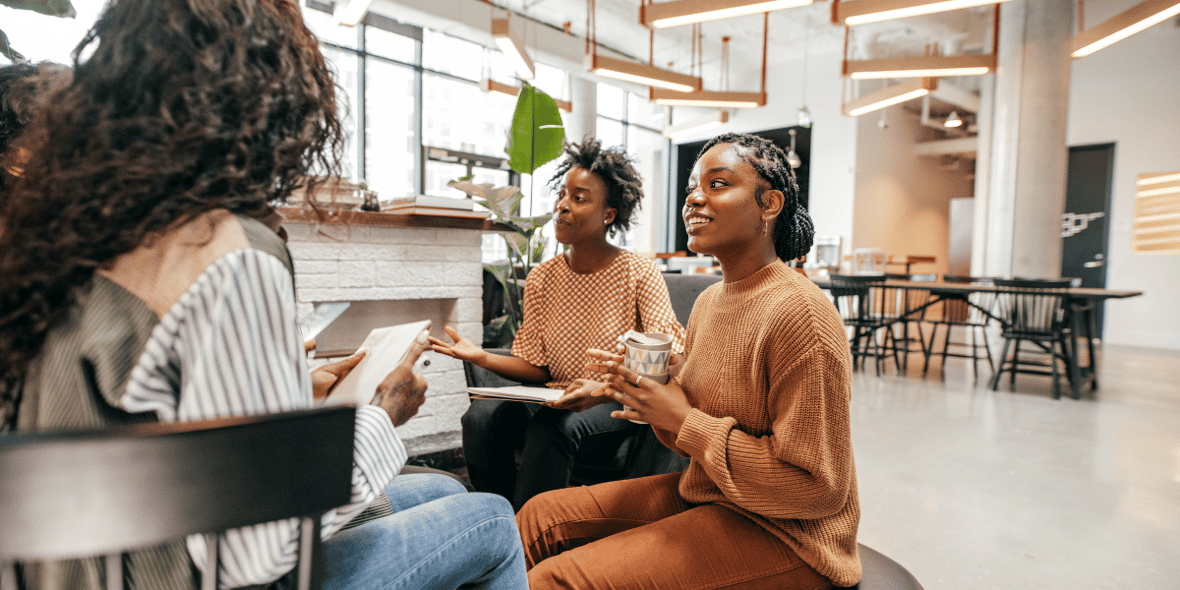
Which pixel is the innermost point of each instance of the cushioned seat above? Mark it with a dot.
(881, 573)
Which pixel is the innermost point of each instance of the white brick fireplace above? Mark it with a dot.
(394, 272)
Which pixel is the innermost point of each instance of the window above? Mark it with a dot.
(633, 123)
(391, 123)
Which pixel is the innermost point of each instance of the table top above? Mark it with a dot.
(1074, 292)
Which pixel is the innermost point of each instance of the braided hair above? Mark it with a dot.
(793, 230)
(624, 186)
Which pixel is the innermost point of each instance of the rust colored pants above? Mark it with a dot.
(641, 534)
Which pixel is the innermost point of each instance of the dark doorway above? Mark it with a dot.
(1085, 223)
(686, 156)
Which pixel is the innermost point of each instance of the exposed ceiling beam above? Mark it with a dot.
(963, 99)
(948, 147)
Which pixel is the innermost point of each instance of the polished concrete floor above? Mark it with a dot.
(974, 489)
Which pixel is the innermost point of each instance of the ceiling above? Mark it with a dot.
(790, 32)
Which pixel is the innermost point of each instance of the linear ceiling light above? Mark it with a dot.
(859, 12)
(661, 15)
(629, 71)
(494, 86)
(697, 125)
(1123, 25)
(351, 12)
(920, 67)
(513, 48)
(727, 100)
(890, 96)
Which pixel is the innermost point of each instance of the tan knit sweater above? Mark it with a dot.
(768, 373)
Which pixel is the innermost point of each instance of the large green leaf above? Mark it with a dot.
(61, 8)
(537, 131)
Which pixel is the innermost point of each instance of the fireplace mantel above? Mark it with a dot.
(307, 215)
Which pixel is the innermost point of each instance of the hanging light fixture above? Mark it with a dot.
(629, 71)
(697, 125)
(952, 120)
(488, 85)
(937, 66)
(351, 12)
(792, 156)
(890, 96)
(860, 12)
(725, 98)
(1123, 25)
(513, 48)
(661, 15)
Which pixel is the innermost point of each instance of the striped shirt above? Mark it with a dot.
(230, 346)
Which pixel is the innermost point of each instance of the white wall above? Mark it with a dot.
(833, 135)
(902, 203)
(1129, 94)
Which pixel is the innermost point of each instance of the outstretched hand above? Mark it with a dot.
(460, 348)
(663, 406)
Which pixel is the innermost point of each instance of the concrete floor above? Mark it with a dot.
(974, 489)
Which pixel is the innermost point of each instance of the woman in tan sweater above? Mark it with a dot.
(761, 407)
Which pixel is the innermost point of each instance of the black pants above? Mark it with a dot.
(549, 440)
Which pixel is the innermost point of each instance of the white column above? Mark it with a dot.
(1027, 168)
(583, 120)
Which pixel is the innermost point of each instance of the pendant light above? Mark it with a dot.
(629, 71)
(792, 156)
(953, 120)
(804, 116)
(724, 99)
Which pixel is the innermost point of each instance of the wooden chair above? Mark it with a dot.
(1034, 311)
(966, 311)
(105, 492)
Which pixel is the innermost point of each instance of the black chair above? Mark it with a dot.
(105, 492)
(867, 307)
(878, 572)
(966, 311)
(1035, 311)
(906, 309)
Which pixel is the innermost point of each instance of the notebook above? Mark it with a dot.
(518, 393)
(386, 347)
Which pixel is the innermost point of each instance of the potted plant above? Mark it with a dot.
(58, 8)
(535, 139)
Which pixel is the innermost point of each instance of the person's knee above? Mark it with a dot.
(442, 486)
(478, 417)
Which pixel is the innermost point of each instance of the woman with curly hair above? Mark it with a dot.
(761, 408)
(20, 87)
(142, 279)
(582, 299)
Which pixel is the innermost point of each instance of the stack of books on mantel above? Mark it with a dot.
(440, 206)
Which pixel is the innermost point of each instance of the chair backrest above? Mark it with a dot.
(957, 309)
(1032, 306)
(853, 295)
(683, 290)
(103, 492)
(868, 261)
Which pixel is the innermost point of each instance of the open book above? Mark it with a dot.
(386, 347)
(518, 393)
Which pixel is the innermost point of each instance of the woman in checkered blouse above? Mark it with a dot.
(584, 298)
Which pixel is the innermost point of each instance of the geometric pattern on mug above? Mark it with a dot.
(647, 362)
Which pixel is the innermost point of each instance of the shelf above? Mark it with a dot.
(307, 215)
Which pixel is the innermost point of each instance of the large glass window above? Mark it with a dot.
(391, 122)
(458, 115)
(345, 65)
(633, 123)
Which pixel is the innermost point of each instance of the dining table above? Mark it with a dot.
(1080, 302)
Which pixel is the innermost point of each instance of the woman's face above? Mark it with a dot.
(721, 214)
(581, 208)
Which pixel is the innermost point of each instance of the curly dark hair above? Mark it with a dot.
(793, 230)
(624, 186)
(20, 86)
(185, 106)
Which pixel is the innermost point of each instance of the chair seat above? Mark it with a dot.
(878, 572)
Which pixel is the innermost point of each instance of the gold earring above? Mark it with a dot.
(764, 224)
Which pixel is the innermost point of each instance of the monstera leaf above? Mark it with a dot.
(537, 131)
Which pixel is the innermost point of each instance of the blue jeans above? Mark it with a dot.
(439, 536)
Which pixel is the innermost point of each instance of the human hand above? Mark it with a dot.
(579, 395)
(662, 406)
(461, 348)
(325, 377)
(402, 392)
